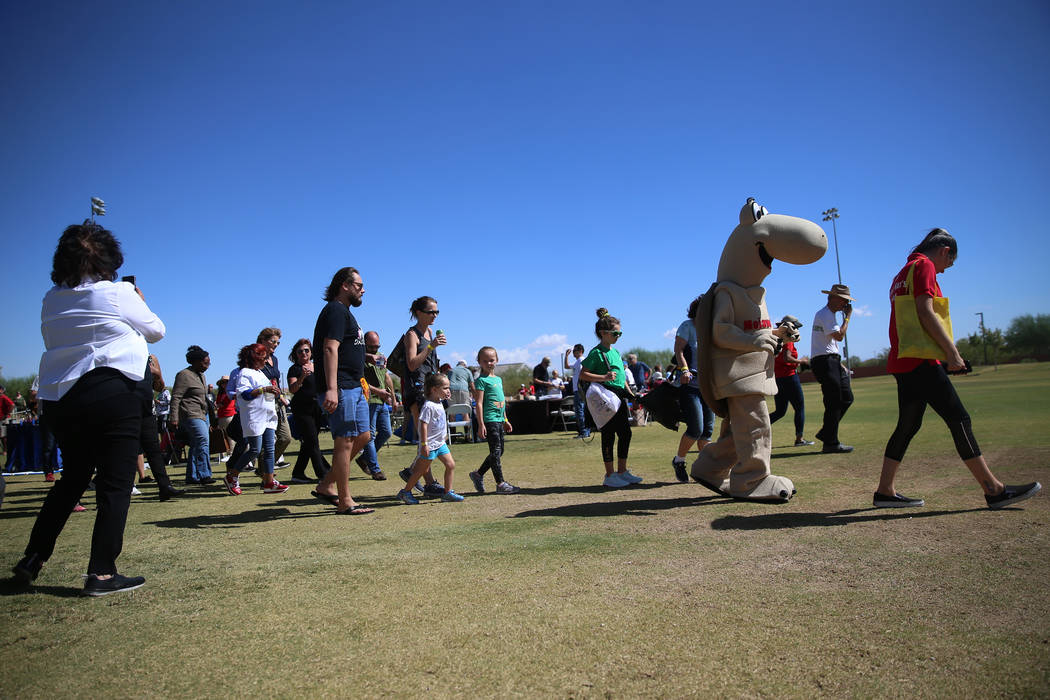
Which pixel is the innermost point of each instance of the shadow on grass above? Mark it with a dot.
(263, 514)
(606, 509)
(780, 521)
(789, 455)
(10, 586)
(596, 488)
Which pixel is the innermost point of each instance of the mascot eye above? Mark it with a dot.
(758, 211)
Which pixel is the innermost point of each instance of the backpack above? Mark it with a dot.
(395, 361)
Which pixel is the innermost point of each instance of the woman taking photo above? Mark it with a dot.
(307, 412)
(922, 382)
(95, 333)
(191, 410)
(421, 359)
(604, 364)
(257, 410)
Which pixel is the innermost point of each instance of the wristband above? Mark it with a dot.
(429, 346)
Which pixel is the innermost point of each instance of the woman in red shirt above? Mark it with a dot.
(789, 387)
(925, 382)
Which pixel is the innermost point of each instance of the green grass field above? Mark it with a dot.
(569, 590)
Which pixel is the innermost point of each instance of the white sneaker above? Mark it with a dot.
(629, 477)
(281, 464)
(613, 481)
(225, 458)
(135, 491)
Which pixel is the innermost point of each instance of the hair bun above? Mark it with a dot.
(602, 312)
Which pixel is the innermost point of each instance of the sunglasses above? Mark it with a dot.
(303, 350)
(434, 312)
(615, 334)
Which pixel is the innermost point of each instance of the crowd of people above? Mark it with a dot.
(102, 395)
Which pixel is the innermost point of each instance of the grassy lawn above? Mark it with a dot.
(569, 590)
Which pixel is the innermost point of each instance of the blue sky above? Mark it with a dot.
(524, 163)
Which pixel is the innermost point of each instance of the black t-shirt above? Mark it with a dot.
(307, 394)
(335, 322)
(272, 372)
(540, 372)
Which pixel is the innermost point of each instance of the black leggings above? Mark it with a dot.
(306, 419)
(617, 427)
(494, 435)
(789, 391)
(929, 384)
(151, 449)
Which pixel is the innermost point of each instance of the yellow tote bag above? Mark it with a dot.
(912, 339)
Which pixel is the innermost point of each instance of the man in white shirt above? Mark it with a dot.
(826, 362)
(577, 396)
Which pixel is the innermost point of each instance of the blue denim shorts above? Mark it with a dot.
(350, 418)
(443, 450)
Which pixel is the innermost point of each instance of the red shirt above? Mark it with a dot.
(781, 368)
(225, 406)
(6, 404)
(925, 282)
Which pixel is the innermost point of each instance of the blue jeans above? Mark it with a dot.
(198, 463)
(379, 422)
(699, 419)
(259, 444)
(577, 406)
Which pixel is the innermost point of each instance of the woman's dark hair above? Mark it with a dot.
(420, 304)
(337, 281)
(295, 349)
(433, 379)
(86, 252)
(937, 238)
(605, 322)
(252, 354)
(691, 311)
(266, 333)
(195, 353)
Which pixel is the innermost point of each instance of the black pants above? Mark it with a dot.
(789, 391)
(929, 385)
(98, 427)
(494, 435)
(151, 449)
(240, 445)
(619, 426)
(838, 396)
(309, 447)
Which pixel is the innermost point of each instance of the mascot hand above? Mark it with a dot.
(766, 341)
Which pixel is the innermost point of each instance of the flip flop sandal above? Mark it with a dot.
(356, 510)
(325, 498)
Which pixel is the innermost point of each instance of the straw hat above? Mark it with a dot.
(838, 290)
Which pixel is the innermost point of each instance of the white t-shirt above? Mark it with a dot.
(577, 366)
(92, 325)
(259, 413)
(433, 415)
(824, 324)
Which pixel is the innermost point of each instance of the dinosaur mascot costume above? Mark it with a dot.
(737, 344)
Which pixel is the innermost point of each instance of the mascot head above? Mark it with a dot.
(762, 238)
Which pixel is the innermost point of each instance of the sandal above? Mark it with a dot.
(325, 498)
(356, 510)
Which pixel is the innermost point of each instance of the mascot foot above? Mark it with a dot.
(722, 490)
(772, 489)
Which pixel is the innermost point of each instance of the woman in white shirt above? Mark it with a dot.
(95, 333)
(257, 411)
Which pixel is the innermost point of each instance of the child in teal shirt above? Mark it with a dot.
(491, 409)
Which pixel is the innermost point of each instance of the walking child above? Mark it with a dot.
(491, 408)
(432, 427)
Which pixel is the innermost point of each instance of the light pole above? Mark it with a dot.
(831, 215)
(984, 337)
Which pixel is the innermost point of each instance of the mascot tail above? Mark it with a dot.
(705, 312)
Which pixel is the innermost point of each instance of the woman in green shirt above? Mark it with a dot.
(603, 364)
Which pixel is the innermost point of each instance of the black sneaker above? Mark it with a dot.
(1013, 494)
(896, 501)
(836, 449)
(95, 587)
(679, 470)
(27, 568)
